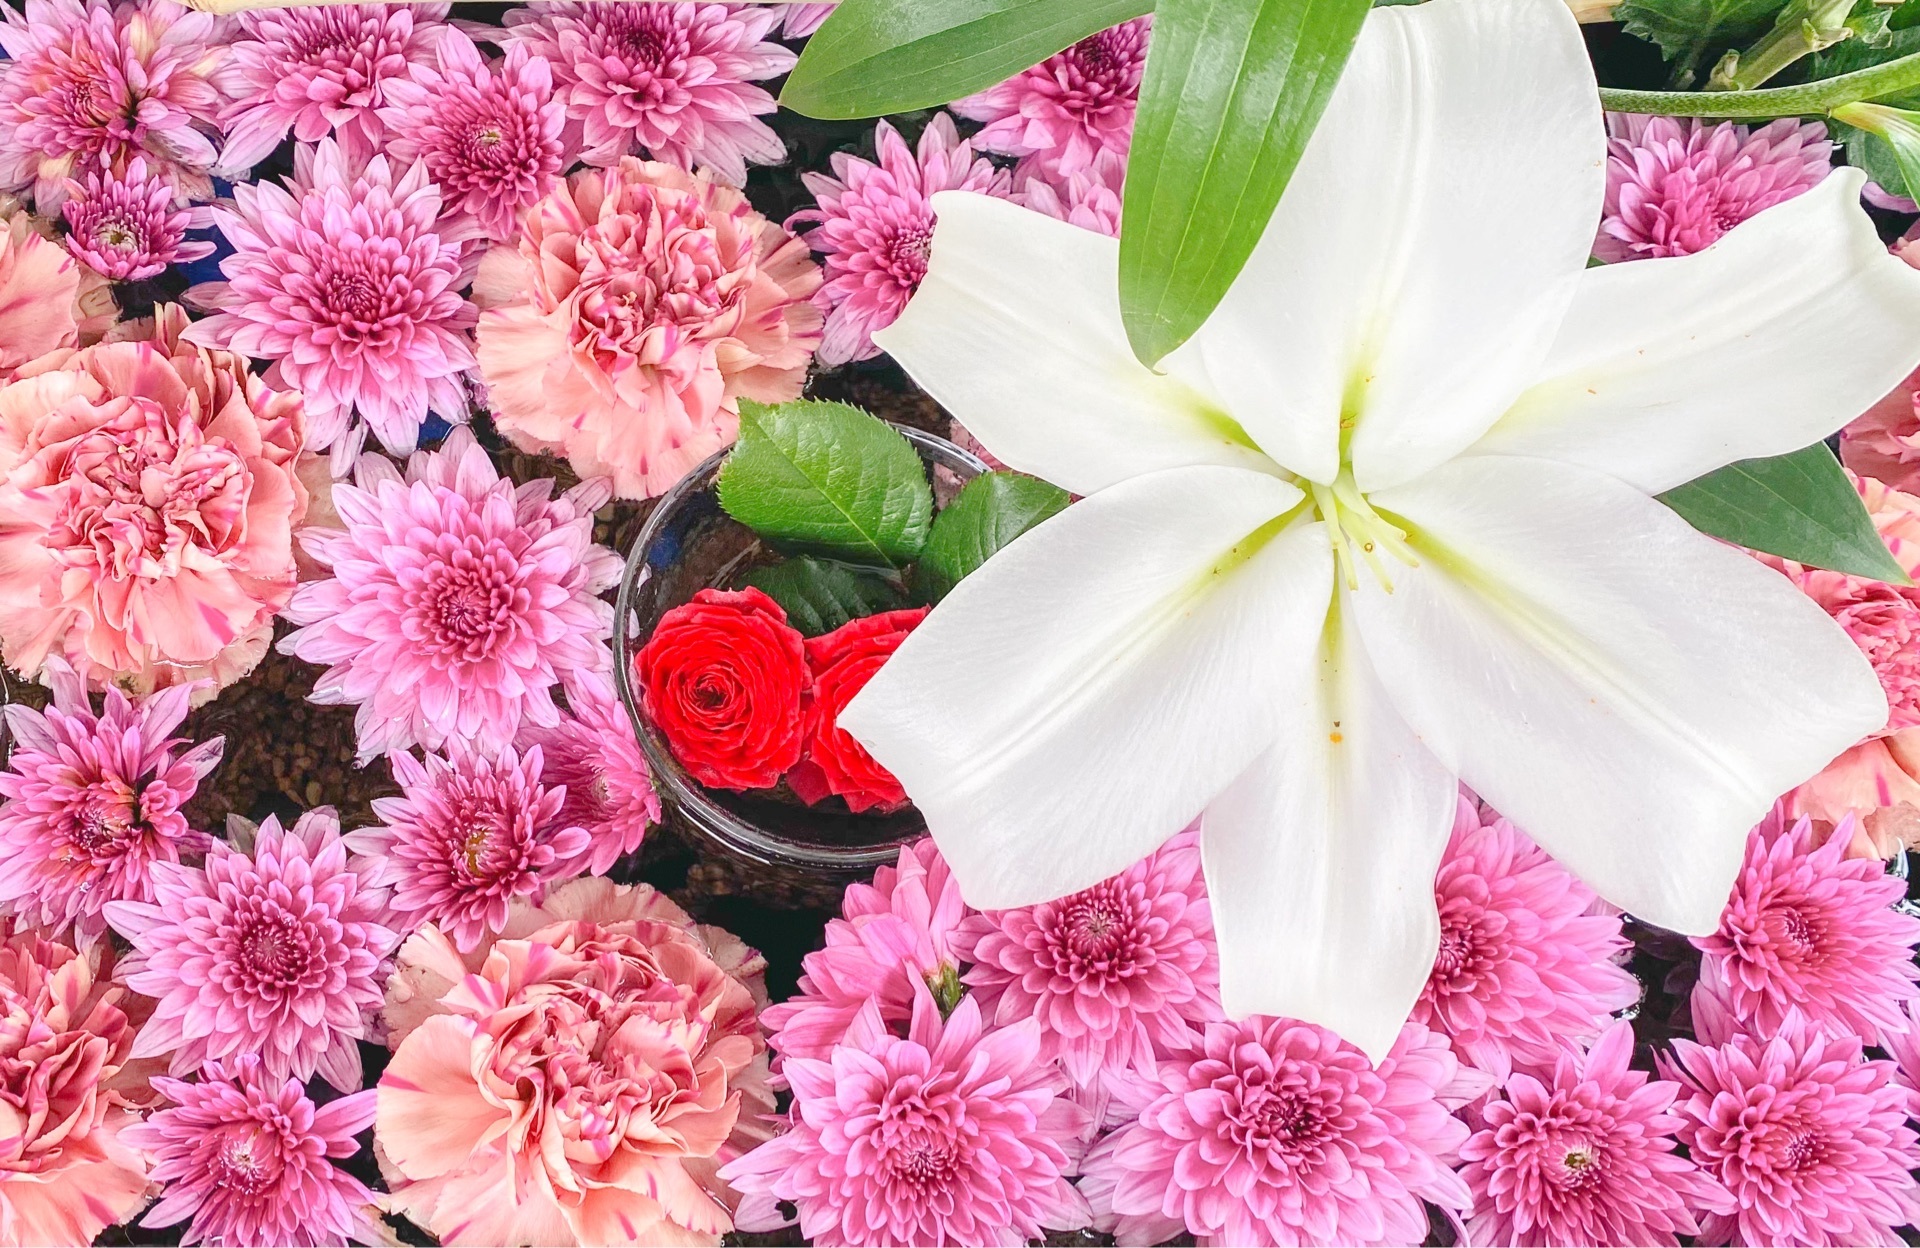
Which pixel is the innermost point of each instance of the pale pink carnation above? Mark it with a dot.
(456, 601)
(1524, 962)
(594, 756)
(1811, 1140)
(1675, 184)
(803, 19)
(641, 304)
(576, 1081)
(40, 291)
(1089, 198)
(90, 84)
(493, 139)
(1583, 1154)
(319, 72)
(874, 225)
(343, 282)
(249, 1158)
(1069, 107)
(670, 81)
(148, 497)
(278, 952)
(955, 1135)
(128, 228)
(1276, 1132)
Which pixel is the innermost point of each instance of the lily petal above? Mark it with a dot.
(1596, 669)
(1427, 246)
(1789, 326)
(1085, 694)
(1320, 860)
(1064, 398)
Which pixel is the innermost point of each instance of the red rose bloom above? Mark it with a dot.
(724, 678)
(842, 662)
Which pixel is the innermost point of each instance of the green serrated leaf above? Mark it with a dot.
(830, 477)
(1856, 54)
(1231, 92)
(1799, 506)
(1686, 30)
(988, 513)
(892, 56)
(819, 595)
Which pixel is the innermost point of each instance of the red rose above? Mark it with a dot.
(725, 680)
(842, 662)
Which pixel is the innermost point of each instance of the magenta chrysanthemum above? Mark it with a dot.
(1088, 198)
(1812, 1141)
(93, 801)
(128, 227)
(90, 84)
(456, 601)
(803, 19)
(278, 952)
(1116, 974)
(493, 139)
(874, 225)
(343, 282)
(1675, 184)
(466, 837)
(318, 72)
(594, 756)
(1276, 1132)
(1810, 930)
(1584, 1153)
(954, 1135)
(1523, 964)
(249, 1158)
(672, 81)
(1069, 107)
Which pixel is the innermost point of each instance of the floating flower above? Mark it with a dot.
(249, 1158)
(593, 755)
(1454, 429)
(874, 225)
(669, 81)
(279, 952)
(1584, 1153)
(1088, 198)
(128, 228)
(1811, 1141)
(319, 72)
(1676, 184)
(493, 139)
(94, 83)
(40, 292)
(1272, 1132)
(456, 601)
(955, 1135)
(641, 305)
(841, 663)
(148, 498)
(577, 1081)
(342, 282)
(1075, 104)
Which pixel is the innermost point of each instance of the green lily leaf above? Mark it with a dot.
(819, 595)
(988, 513)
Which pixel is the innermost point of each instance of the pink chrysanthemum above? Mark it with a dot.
(93, 802)
(1675, 184)
(1116, 974)
(1902, 1044)
(278, 952)
(456, 601)
(343, 282)
(493, 139)
(1810, 930)
(803, 19)
(594, 756)
(1089, 198)
(1584, 1154)
(249, 1158)
(318, 72)
(1070, 106)
(954, 1135)
(894, 935)
(1523, 964)
(874, 225)
(669, 81)
(1276, 1132)
(94, 83)
(466, 837)
(1812, 1141)
(128, 228)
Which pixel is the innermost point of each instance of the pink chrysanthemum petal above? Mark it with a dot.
(1088, 198)
(128, 227)
(594, 756)
(1071, 106)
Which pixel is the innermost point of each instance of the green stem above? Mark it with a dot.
(1810, 99)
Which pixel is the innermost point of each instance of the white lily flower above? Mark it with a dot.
(1385, 522)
